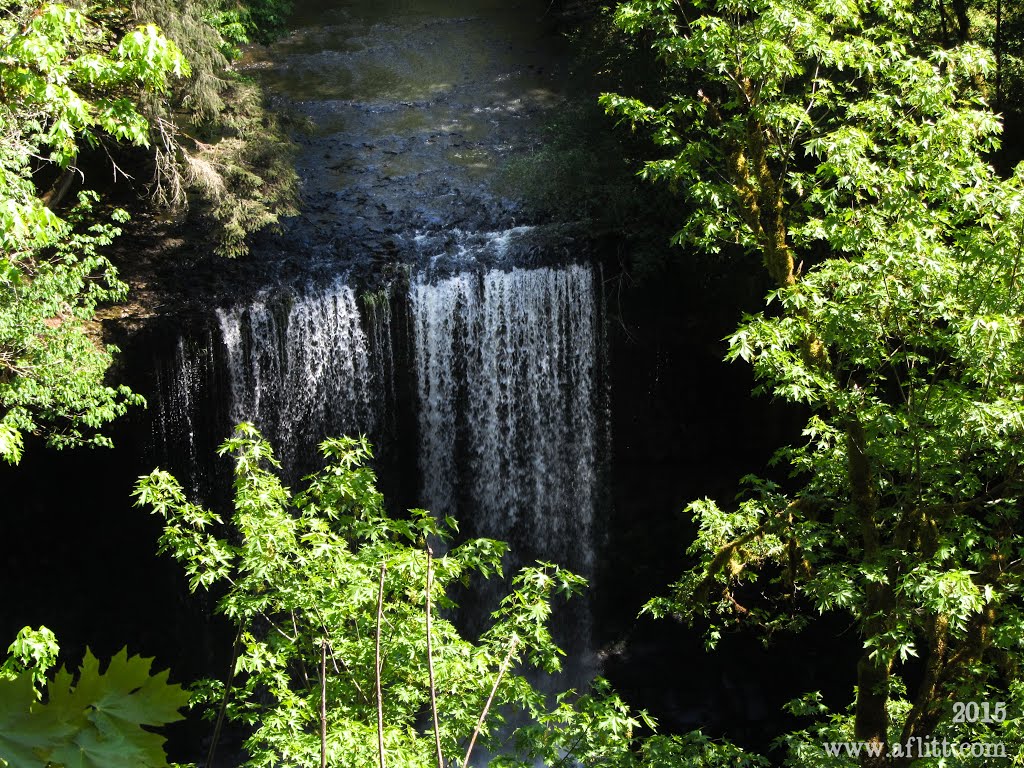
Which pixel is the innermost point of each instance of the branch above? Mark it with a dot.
(927, 694)
(323, 703)
(224, 703)
(335, 658)
(494, 689)
(725, 554)
(302, 663)
(380, 695)
(920, 514)
(430, 661)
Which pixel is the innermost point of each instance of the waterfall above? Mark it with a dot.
(501, 380)
(185, 384)
(508, 370)
(300, 368)
(506, 366)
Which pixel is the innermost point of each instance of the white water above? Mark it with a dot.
(181, 385)
(507, 382)
(300, 368)
(506, 369)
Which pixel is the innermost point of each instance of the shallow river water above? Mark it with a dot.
(414, 111)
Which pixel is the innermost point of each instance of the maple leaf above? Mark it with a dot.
(26, 729)
(95, 722)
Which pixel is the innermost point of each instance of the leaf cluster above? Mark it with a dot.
(302, 578)
(67, 79)
(851, 157)
(92, 719)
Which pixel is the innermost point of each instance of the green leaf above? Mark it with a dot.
(95, 721)
(28, 731)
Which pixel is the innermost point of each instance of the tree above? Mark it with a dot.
(332, 601)
(64, 82)
(76, 80)
(215, 142)
(822, 137)
(345, 653)
(995, 24)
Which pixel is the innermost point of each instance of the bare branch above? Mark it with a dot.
(323, 703)
(490, 699)
(380, 694)
(430, 660)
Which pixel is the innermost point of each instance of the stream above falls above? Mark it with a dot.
(413, 113)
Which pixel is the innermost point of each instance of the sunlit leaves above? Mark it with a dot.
(860, 157)
(299, 569)
(65, 82)
(53, 368)
(33, 650)
(48, 64)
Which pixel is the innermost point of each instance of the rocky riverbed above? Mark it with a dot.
(409, 121)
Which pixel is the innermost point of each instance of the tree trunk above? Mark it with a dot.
(56, 194)
(963, 21)
(871, 724)
(323, 703)
(999, 55)
(871, 720)
(379, 667)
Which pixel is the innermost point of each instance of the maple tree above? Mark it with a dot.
(346, 651)
(66, 81)
(850, 157)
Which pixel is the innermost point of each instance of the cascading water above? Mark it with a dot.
(485, 390)
(301, 369)
(508, 369)
(506, 374)
(506, 366)
(184, 386)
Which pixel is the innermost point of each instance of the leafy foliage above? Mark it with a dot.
(51, 368)
(851, 158)
(33, 650)
(73, 80)
(93, 719)
(314, 580)
(64, 82)
(232, 156)
(305, 571)
(257, 21)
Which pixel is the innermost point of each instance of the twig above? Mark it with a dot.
(302, 663)
(430, 660)
(380, 695)
(323, 703)
(212, 751)
(494, 689)
(335, 658)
